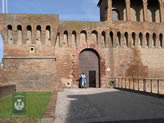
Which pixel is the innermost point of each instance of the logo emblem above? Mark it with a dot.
(19, 105)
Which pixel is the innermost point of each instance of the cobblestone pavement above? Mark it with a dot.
(107, 106)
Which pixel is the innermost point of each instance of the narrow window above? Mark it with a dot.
(48, 33)
(111, 38)
(161, 40)
(29, 32)
(94, 36)
(140, 39)
(74, 38)
(154, 40)
(103, 39)
(38, 32)
(83, 37)
(118, 39)
(57, 44)
(147, 39)
(133, 39)
(9, 33)
(65, 38)
(126, 39)
(19, 31)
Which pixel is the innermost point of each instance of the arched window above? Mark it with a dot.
(9, 27)
(94, 36)
(19, 31)
(38, 32)
(154, 40)
(65, 37)
(153, 10)
(103, 39)
(140, 39)
(115, 14)
(83, 37)
(119, 10)
(29, 28)
(29, 32)
(133, 39)
(111, 38)
(74, 39)
(118, 39)
(19, 27)
(1, 48)
(147, 39)
(136, 7)
(9, 33)
(126, 39)
(57, 44)
(48, 33)
(161, 39)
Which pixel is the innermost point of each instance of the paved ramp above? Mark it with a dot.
(107, 106)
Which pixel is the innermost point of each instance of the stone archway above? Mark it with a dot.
(89, 63)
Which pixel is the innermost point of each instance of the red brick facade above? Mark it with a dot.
(41, 53)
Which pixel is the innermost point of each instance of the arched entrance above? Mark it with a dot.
(89, 64)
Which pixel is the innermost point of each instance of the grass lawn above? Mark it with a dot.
(36, 103)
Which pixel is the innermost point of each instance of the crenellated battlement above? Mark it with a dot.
(33, 30)
(29, 28)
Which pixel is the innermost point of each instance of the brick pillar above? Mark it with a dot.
(24, 35)
(144, 41)
(114, 39)
(15, 35)
(99, 39)
(109, 16)
(78, 39)
(128, 13)
(145, 10)
(107, 40)
(122, 42)
(129, 40)
(53, 35)
(43, 35)
(151, 41)
(157, 41)
(161, 11)
(137, 40)
(69, 39)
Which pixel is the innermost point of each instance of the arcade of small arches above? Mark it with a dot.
(19, 30)
(136, 10)
(104, 39)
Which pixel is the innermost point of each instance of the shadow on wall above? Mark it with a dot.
(115, 107)
(1, 48)
(7, 90)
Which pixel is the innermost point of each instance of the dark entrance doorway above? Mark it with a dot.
(92, 78)
(89, 64)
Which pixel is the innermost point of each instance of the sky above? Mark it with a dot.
(77, 10)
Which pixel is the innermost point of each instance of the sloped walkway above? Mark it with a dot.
(107, 106)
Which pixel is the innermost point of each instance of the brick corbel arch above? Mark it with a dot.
(76, 65)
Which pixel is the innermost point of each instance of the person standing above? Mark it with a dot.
(83, 80)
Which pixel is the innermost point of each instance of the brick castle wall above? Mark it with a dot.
(42, 53)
